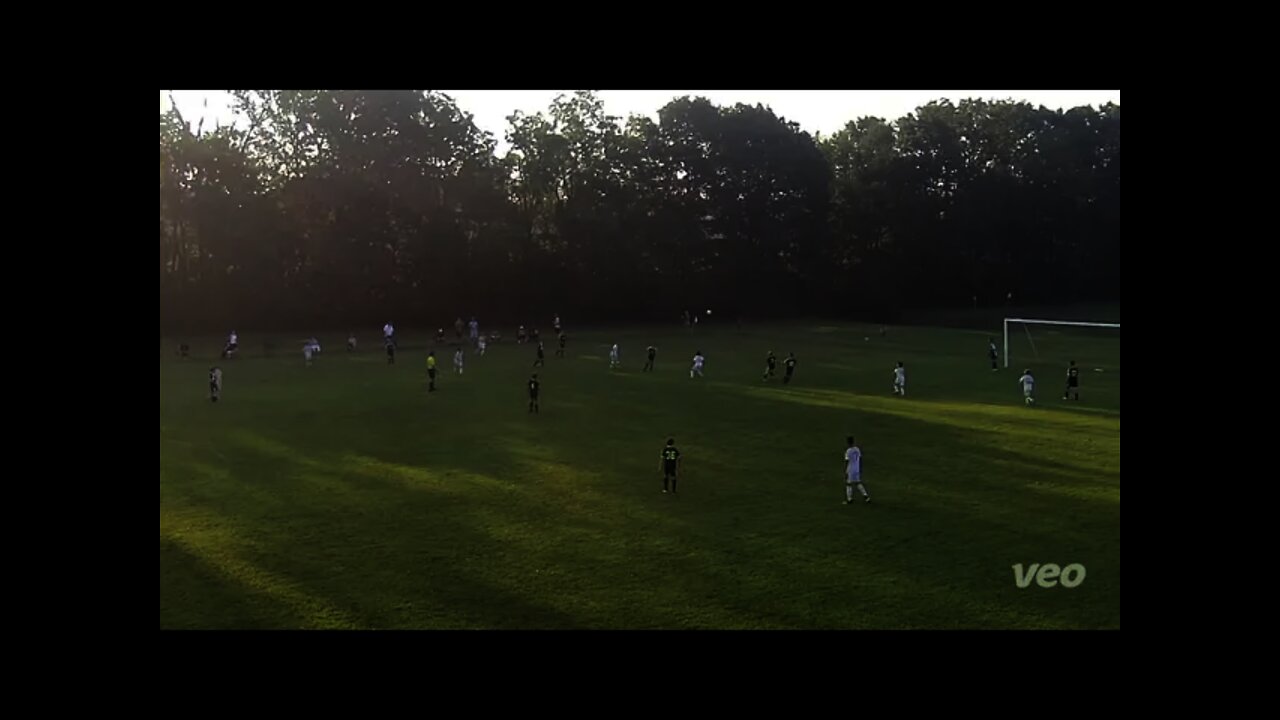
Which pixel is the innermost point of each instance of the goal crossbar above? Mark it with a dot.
(1028, 321)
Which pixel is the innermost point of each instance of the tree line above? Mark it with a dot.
(346, 208)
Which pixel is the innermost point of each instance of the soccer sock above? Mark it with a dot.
(664, 483)
(848, 491)
(863, 489)
(673, 483)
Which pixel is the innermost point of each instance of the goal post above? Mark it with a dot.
(1025, 322)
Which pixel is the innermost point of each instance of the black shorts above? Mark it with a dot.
(431, 373)
(213, 388)
(1073, 383)
(533, 397)
(669, 470)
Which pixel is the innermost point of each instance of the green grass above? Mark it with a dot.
(342, 496)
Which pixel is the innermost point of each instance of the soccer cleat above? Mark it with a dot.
(848, 502)
(868, 498)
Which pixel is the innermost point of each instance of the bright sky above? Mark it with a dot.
(824, 111)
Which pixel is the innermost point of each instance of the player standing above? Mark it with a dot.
(440, 335)
(431, 371)
(351, 342)
(1073, 381)
(475, 331)
(388, 333)
(1028, 386)
(483, 343)
(614, 357)
(670, 464)
(533, 393)
(770, 366)
(541, 356)
(391, 349)
(853, 473)
(215, 383)
(900, 380)
(698, 359)
(457, 329)
(233, 344)
(651, 352)
(563, 339)
(520, 335)
(457, 361)
(992, 355)
(791, 367)
(556, 325)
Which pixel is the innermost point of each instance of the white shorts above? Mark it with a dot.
(1028, 392)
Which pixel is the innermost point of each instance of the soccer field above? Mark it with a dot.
(343, 496)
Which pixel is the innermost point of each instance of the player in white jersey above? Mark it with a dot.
(475, 331)
(310, 347)
(698, 359)
(457, 361)
(900, 380)
(483, 343)
(388, 333)
(215, 383)
(351, 342)
(614, 357)
(1028, 386)
(233, 344)
(853, 473)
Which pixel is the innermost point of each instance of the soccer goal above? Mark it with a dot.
(1093, 327)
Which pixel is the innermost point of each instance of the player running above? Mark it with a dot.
(534, 386)
(791, 367)
(770, 366)
(992, 355)
(233, 344)
(541, 356)
(562, 340)
(457, 361)
(1028, 387)
(615, 357)
(651, 352)
(698, 359)
(900, 380)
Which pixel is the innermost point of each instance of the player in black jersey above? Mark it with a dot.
(790, 362)
(391, 350)
(563, 339)
(670, 464)
(770, 366)
(533, 393)
(652, 353)
(991, 353)
(1073, 382)
(541, 356)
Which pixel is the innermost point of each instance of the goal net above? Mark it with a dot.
(1095, 346)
